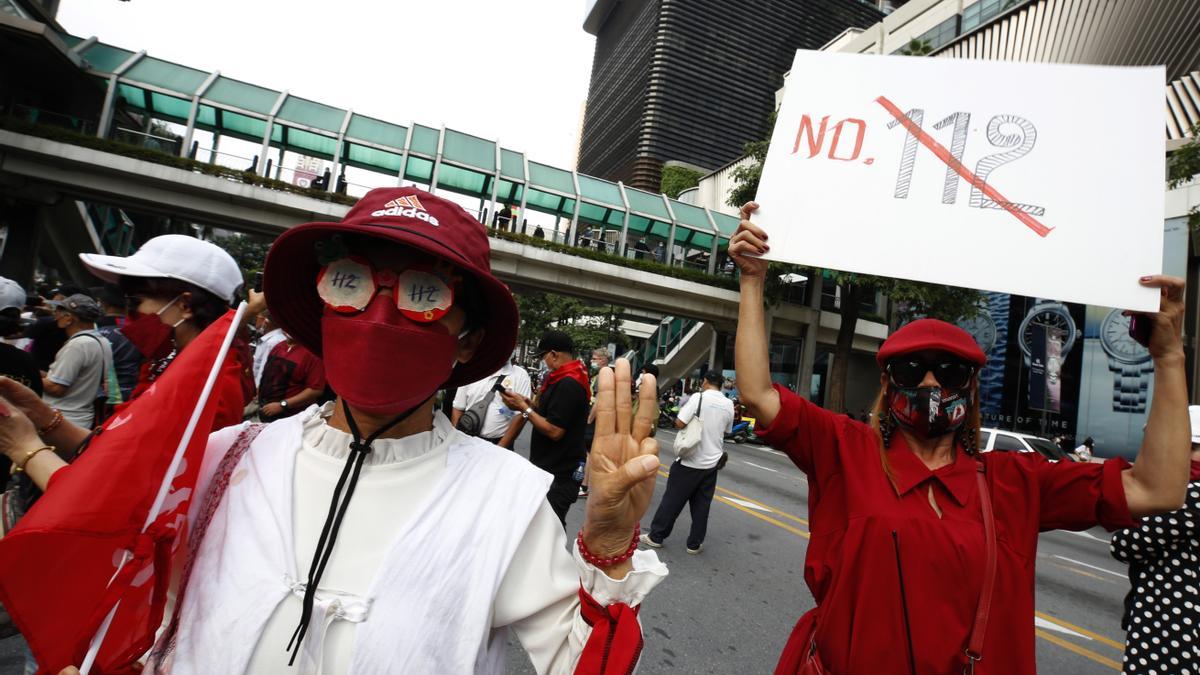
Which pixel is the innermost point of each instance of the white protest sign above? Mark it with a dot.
(1035, 179)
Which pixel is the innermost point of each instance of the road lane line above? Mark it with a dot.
(760, 516)
(1082, 651)
(763, 448)
(1082, 573)
(747, 504)
(731, 493)
(759, 466)
(1087, 535)
(1098, 569)
(1039, 622)
(1070, 626)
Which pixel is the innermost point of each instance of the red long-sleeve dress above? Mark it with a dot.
(851, 566)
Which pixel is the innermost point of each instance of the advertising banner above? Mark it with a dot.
(1031, 380)
(914, 167)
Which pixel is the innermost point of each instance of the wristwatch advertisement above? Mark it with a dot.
(1128, 361)
(1051, 315)
(983, 329)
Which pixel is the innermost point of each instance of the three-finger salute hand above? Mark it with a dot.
(748, 243)
(624, 462)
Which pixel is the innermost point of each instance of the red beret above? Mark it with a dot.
(924, 334)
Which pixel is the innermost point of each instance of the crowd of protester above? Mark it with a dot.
(333, 382)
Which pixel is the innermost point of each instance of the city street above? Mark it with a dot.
(730, 608)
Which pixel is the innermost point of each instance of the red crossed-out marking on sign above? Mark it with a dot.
(944, 155)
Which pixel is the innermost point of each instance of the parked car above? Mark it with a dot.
(1012, 441)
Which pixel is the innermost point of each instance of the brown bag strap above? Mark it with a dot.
(975, 645)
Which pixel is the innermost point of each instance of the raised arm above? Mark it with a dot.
(1157, 482)
(751, 356)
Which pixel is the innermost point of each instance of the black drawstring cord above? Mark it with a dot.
(337, 511)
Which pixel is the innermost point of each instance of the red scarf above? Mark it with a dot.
(573, 370)
(1195, 472)
(616, 641)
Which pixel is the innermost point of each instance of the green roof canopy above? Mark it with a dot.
(312, 114)
(371, 130)
(248, 97)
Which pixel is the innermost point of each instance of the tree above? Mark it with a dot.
(917, 47)
(590, 326)
(746, 176)
(913, 297)
(1182, 165)
(250, 252)
(675, 179)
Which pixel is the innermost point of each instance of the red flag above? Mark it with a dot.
(61, 570)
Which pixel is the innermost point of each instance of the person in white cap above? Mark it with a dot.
(1162, 611)
(12, 324)
(174, 287)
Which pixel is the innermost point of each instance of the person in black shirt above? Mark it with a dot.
(558, 420)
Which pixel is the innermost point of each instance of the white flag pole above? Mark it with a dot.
(164, 488)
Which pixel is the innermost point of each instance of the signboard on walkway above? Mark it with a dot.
(1035, 179)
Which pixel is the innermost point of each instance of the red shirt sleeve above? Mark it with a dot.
(1079, 495)
(801, 429)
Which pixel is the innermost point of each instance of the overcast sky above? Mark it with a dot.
(513, 71)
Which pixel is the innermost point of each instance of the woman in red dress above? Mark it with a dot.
(922, 551)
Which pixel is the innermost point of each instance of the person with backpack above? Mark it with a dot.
(480, 411)
(78, 375)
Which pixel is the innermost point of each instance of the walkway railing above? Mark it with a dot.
(595, 243)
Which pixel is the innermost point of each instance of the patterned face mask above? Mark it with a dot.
(929, 412)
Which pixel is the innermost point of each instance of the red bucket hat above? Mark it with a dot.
(925, 334)
(417, 220)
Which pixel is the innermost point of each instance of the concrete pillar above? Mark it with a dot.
(714, 361)
(21, 244)
(808, 350)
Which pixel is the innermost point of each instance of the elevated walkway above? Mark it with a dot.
(53, 169)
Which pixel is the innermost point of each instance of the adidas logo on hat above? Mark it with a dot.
(409, 207)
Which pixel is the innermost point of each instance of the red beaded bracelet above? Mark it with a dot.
(597, 561)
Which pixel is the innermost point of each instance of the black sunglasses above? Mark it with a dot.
(909, 373)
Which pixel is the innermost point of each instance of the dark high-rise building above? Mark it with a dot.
(693, 80)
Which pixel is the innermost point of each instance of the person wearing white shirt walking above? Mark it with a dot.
(693, 478)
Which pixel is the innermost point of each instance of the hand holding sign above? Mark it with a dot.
(919, 168)
(747, 244)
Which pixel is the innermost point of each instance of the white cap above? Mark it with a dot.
(173, 256)
(11, 294)
(1194, 414)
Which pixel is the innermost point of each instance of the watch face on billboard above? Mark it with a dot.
(1031, 380)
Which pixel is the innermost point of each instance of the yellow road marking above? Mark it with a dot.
(731, 493)
(1082, 651)
(1076, 570)
(762, 516)
(773, 509)
(1082, 631)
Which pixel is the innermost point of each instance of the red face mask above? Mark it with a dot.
(382, 362)
(148, 333)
